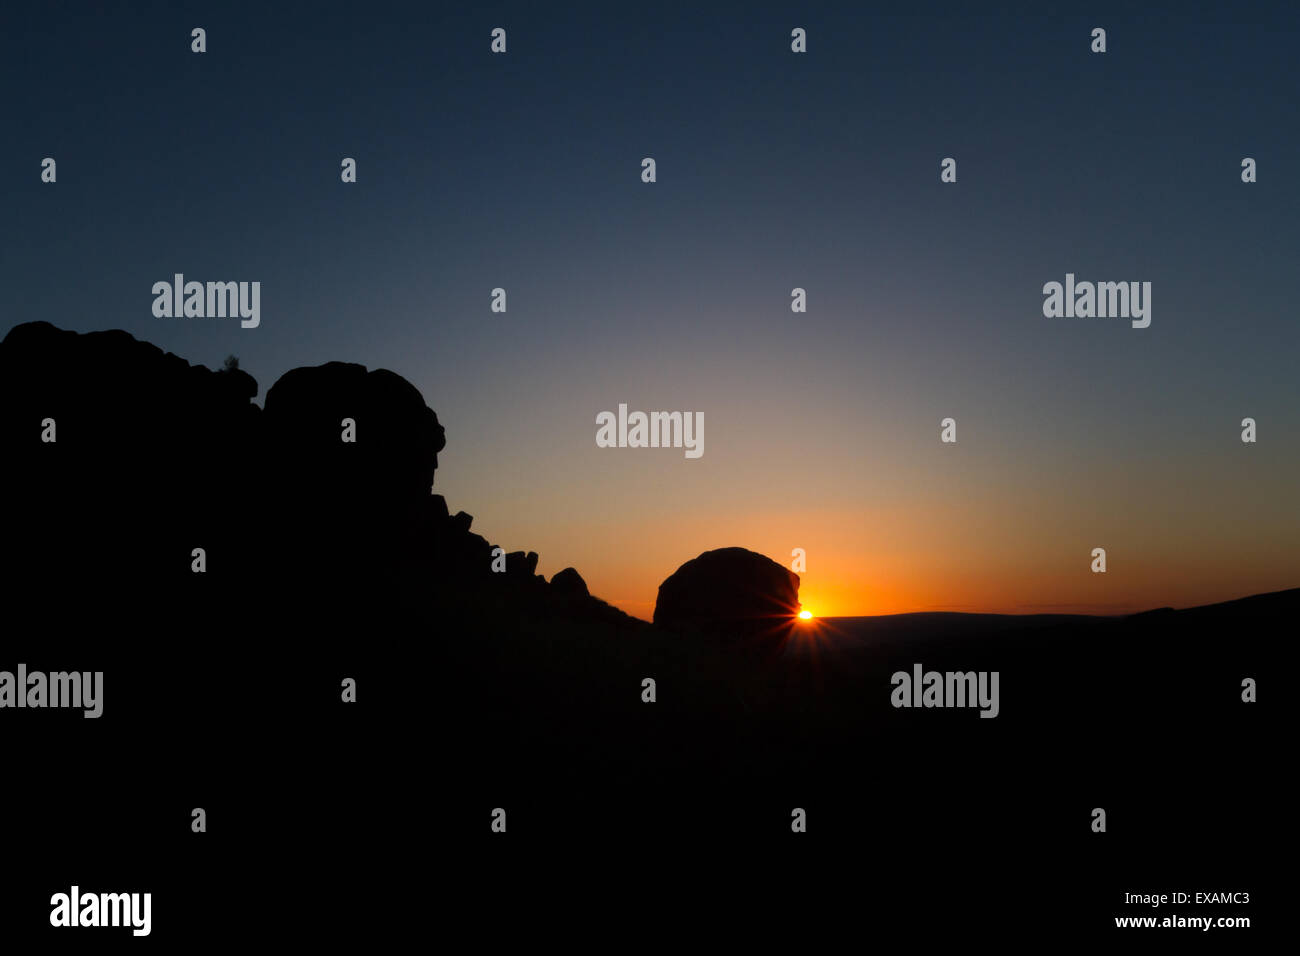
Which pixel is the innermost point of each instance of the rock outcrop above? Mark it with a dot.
(730, 591)
(153, 457)
(121, 453)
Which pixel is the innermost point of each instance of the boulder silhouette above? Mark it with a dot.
(730, 591)
(569, 583)
(363, 496)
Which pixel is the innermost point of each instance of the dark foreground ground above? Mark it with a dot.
(370, 821)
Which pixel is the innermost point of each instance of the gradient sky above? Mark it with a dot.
(775, 170)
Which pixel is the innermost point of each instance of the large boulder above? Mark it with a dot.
(363, 499)
(398, 436)
(730, 591)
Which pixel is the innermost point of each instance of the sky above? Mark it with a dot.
(775, 170)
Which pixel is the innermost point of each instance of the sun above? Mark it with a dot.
(805, 615)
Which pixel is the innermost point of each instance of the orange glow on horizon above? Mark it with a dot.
(975, 551)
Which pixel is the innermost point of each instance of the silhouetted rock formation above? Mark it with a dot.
(367, 496)
(729, 591)
(150, 458)
(154, 457)
(569, 583)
